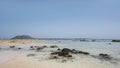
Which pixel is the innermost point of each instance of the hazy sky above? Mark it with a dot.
(60, 18)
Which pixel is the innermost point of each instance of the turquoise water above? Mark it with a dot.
(92, 47)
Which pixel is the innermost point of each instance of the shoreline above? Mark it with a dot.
(25, 56)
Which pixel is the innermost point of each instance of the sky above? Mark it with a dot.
(60, 18)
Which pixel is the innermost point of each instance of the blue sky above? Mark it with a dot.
(60, 18)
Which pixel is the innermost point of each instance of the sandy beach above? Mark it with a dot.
(13, 58)
(59, 34)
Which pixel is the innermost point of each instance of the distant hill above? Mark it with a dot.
(22, 37)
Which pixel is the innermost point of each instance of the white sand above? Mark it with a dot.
(17, 60)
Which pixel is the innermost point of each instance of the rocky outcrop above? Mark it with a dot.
(65, 52)
(115, 40)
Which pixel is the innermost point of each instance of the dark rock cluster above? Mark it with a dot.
(115, 40)
(104, 56)
(65, 52)
(14, 47)
(42, 47)
(37, 48)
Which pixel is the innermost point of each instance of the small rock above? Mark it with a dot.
(19, 48)
(66, 50)
(63, 53)
(39, 48)
(12, 46)
(31, 46)
(58, 49)
(86, 53)
(54, 53)
(105, 56)
(69, 56)
(29, 55)
(54, 46)
(55, 57)
(63, 61)
(45, 46)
